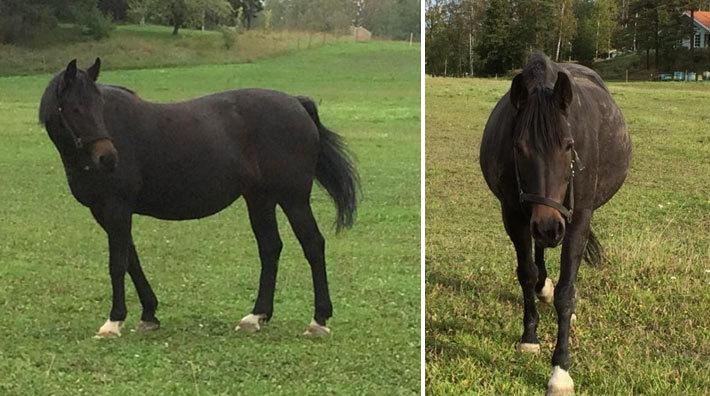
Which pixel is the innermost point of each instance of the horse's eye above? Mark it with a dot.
(569, 146)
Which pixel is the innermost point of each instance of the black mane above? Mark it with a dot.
(48, 105)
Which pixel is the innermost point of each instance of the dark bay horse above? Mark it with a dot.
(554, 149)
(187, 160)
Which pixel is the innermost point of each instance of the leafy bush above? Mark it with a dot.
(229, 35)
(93, 22)
(21, 20)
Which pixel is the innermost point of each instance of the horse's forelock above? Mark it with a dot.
(539, 122)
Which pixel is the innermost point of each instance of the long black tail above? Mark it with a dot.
(335, 169)
(593, 252)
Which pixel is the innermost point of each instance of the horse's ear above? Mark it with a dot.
(93, 71)
(563, 91)
(70, 72)
(518, 92)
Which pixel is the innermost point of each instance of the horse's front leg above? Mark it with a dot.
(572, 251)
(518, 228)
(114, 217)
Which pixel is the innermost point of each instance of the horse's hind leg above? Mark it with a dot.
(262, 215)
(518, 228)
(304, 225)
(147, 297)
(544, 288)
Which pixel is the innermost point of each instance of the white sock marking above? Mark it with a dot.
(110, 329)
(560, 383)
(251, 323)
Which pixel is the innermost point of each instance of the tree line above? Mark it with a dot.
(488, 37)
(23, 19)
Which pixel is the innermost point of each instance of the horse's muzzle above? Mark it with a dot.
(104, 155)
(547, 226)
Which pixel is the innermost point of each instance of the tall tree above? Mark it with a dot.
(498, 47)
(180, 12)
(248, 9)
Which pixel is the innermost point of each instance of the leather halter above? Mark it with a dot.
(566, 208)
(78, 142)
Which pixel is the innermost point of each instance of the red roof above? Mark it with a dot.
(702, 17)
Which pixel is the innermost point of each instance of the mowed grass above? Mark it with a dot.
(56, 292)
(643, 324)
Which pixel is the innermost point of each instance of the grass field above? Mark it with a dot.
(150, 46)
(55, 289)
(643, 324)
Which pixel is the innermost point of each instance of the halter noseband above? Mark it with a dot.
(78, 142)
(566, 208)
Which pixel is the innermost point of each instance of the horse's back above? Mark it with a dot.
(582, 73)
(194, 158)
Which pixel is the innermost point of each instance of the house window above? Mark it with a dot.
(696, 40)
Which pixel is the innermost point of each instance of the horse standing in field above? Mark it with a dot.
(187, 160)
(554, 149)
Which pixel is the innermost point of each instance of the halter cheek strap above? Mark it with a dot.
(566, 211)
(78, 142)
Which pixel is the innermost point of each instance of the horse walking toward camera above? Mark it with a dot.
(187, 160)
(554, 149)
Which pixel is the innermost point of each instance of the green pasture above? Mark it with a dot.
(643, 324)
(54, 284)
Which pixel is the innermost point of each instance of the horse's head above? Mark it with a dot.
(80, 106)
(543, 153)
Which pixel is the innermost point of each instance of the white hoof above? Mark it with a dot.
(251, 323)
(316, 330)
(547, 294)
(560, 383)
(573, 318)
(526, 347)
(109, 330)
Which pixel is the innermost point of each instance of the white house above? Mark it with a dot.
(701, 23)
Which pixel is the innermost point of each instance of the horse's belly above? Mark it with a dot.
(179, 198)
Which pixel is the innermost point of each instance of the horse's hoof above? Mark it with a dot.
(527, 347)
(144, 326)
(110, 329)
(573, 318)
(251, 323)
(316, 330)
(547, 294)
(560, 383)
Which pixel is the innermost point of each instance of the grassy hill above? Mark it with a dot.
(138, 47)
